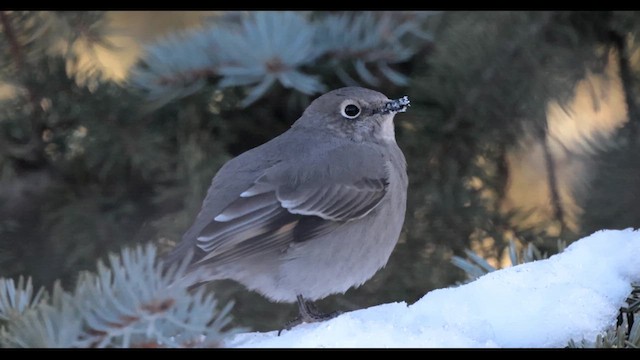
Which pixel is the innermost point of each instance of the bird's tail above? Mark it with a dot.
(183, 259)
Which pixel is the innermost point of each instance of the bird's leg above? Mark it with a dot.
(309, 313)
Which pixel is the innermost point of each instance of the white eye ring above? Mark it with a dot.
(350, 109)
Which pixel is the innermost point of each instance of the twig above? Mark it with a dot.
(552, 179)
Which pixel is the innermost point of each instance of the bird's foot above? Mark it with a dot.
(309, 313)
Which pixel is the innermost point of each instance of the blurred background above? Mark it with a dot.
(523, 128)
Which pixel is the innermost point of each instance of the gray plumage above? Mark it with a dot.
(313, 212)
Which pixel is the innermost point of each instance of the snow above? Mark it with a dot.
(573, 295)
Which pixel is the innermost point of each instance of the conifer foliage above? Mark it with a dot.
(90, 166)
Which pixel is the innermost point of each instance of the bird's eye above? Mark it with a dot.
(350, 110)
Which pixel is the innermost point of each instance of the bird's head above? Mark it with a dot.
(354, 112)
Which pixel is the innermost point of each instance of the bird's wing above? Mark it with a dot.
(296, 202)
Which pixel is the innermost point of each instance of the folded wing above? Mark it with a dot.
(290, 204)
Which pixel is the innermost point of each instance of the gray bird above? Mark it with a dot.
(313, 212)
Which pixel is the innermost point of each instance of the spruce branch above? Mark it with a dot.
(53, 324)
(15, 299)
(477, 266)
(488, 76)
(31, 151)
(626, 333)
(261, 49)
(14, 46)
(626, 76)
(132, 302)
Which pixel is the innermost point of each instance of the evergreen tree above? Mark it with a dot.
(88, 165)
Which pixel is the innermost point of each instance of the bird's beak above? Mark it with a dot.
(395, 106)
